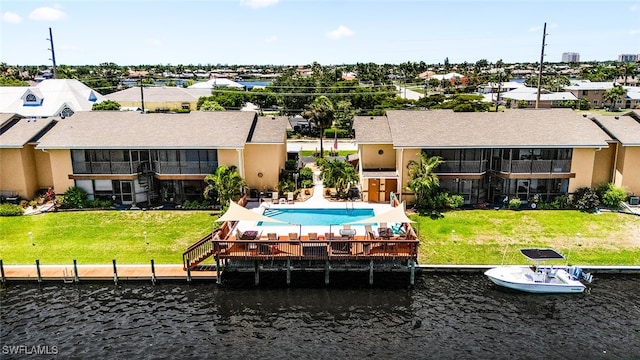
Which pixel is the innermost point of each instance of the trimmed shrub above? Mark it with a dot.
(306, 183)
(306, 174)
(585, 199)
(75, 198)
(515, 204)
(10, 210)
(611, 195)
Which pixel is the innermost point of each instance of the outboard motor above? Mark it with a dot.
(580, 275)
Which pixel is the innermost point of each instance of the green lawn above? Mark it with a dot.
(97, 237)
(481, 236)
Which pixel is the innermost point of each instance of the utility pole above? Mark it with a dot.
(53, 55)
(141, 94)
(544, 34)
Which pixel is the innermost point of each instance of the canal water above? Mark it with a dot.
(444, 317)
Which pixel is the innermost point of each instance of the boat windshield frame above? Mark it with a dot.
(541, 254)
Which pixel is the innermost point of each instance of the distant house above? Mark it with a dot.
(53, 97)
(526, 95)
(159, 99)
(504, 87)
(591, 91)
(217, 82)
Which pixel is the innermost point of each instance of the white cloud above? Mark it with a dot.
(535, 28)
(154, 42)
(11, 18)
(634, 8)
(257, 4)
(634, 32)
(339, 33)
(271, 39)
(47, 14)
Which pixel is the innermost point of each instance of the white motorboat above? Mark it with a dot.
(540, 278)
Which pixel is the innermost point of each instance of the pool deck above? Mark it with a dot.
(317, 200)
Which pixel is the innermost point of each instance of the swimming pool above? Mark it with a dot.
(317, 216)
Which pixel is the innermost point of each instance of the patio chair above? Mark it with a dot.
(272, 236)
(294, 236)
(313, 236)
(274, 196)
(329, 236)
(290, 197)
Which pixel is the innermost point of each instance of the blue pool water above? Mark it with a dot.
(317, 216)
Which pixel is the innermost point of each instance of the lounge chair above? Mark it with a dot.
(347, 232)
(274, 196)
(290, 197)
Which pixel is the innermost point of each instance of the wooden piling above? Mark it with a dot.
(4, 279)
(115, 272)
(218, 278)
(371, 272)
(76, 278)
(38, 270)
(188, 271)
(153, 272)
(288, 271)
(412, 276)
(326, 272)
(256, 269)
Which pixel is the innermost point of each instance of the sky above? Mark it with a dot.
(299, 32)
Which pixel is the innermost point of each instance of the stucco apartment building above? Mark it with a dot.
(139, 158)
(490, 156)
(163, 158)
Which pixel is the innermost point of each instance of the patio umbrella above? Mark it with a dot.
(240, 213)
(395, 215)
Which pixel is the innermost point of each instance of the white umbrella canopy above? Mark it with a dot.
(395, 215)
(240, 213)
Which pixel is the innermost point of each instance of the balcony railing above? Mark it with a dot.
(184, 167)
(463, 167)
(102, 167)
(535, 166)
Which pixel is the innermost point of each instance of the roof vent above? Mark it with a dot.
(617, 117)
(584, 115)
(273, 118)
(371, 118)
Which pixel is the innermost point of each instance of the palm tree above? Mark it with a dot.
(339, 174)
(226, 182)
(614, 94)
(423, 181)
(322, 114)
(628, 70)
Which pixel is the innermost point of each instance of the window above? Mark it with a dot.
(596, 92)
(66, 112)
(185, 106)
(585, 92)
(595, 102)
(31, 98)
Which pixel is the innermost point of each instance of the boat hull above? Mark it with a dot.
(524, 279)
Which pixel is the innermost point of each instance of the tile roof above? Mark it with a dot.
(372, 130)
(129, 130)
(510, 128)
(21, 132)
(625, 128)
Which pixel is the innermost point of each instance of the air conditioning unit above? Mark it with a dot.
(634, 200)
